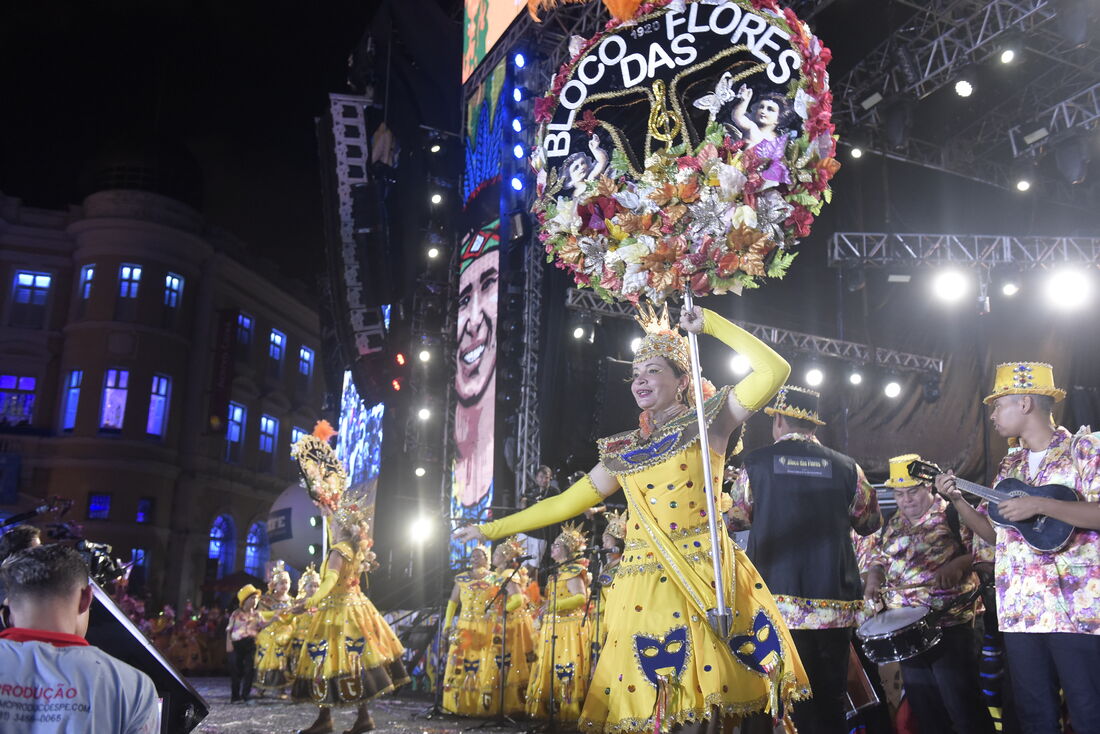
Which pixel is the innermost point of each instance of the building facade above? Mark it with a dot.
(151, 377)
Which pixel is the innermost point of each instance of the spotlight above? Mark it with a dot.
(1010, 289)
(966, 83)
(855, 377)
(517, 124)
(930, 387)
(425, 355)
(739, 364)
(950, 285)
(964, 88)
(436, 198)
(519, 60)
(517, 183)
(856, 152)
(517, 94)
(433, 253)
(635, 344)
(315, 521)
(420, 529)
(814, 377)
(1022, 184)
(1023, 174)
(892, 389)
(420, 471)
(1068, 290)
(436, 147)
(578, 332)
(312, 549)
(518, 151)
(1007, 56)
(424, 414)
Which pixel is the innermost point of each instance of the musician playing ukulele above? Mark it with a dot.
(922, 559)
(1048, 603)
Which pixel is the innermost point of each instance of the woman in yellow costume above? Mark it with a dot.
(470, 682)
(559, 678)
(350, 654)
(272, 663)
(664, 666)
(520, 638)
(613, 542)
(308, 583)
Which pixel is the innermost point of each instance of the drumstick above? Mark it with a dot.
(903, 587)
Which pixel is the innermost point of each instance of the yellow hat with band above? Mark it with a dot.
(246, 591)
(1024, 378)
(899, 471)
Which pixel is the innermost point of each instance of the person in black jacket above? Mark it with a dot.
(801, 500)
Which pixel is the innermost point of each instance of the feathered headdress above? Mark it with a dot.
(620, 9)
(573, 538)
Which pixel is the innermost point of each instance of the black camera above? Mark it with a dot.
(101, 566)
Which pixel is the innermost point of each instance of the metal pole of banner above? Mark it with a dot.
(719, 617)
(324, 538)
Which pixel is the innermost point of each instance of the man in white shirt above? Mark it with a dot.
(51, 679)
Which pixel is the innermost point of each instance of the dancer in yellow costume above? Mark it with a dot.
(561, 668)
(308, 583)
(614, 536)
(350, 654)
(663, 666)
(273, 642)
(470, 683)
(520, 638)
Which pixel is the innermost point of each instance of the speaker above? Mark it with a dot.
(109, 629)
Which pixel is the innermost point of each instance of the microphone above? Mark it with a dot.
(520, 559)
(601, 551)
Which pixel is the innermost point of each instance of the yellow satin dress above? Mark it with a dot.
(470, 684)
(273, 646)
(563, 677)
(662, 663)
(349, 654)
(521, 642)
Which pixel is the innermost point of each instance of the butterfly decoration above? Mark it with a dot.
(722, 95)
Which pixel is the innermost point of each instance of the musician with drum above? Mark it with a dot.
(1048, 598)
(921, 569)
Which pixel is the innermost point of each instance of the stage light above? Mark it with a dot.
(400, 359)
(635, 344)
(578, 332)
(517, 124)
(814, 376)
(519, 60)
(518, 151)
(1023, 174)
(1068, 290)
(966, 82)
(855, 377)
(856, 152)
(436, 198)
(517, 183)
(892, 389)
(315, 521)
(424, 414)
(436, 147)
(1007, 56)
(425, 355)
(517, 94)
(1010, 289)
(739, 364)
(950, 285)
(1022, 184)
(313, 549)
(420, 529)
(433, 253)
(420, 471)
(396, 385)
(964, 88)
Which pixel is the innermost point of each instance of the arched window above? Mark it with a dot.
(222, 544)
(255, 550)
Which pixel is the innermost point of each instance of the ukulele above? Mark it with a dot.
(1043, 534)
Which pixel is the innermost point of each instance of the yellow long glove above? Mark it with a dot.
(515, 601)
(452, 607)
(327, 584)
(568, 504)
(570, 602)
(769, 370)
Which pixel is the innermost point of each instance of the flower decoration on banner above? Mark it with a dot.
(690, 146)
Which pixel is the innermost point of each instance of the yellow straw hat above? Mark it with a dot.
(899, 471)
(1025, 378)
(246, 591)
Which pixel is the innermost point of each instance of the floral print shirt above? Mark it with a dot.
(244, 624)
(1050, 592)
(800, 612)
(910, 553)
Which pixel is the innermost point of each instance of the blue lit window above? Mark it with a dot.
(295, 434)
(173, 290)
(144, 510)
(99, 506)
(221, 545)
(17, 399)
(129, 278)
(234, 433)
(86, 274)
(113, 409)
(159, 395)
(71, 400)
(244, 329)
(269, 432)
(138, 557)
(256, 550)
(305, 361)
(277, 345)
(32, 288)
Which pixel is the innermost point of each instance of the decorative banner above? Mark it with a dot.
(690, 146)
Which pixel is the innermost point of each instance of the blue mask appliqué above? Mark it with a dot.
(665, 656)
(759, 650)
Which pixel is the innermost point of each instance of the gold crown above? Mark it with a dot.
(512, 548)
(616, 524)
(278, 571)
(309, 575)
(784, 404)
(661, 340)
(573, 538)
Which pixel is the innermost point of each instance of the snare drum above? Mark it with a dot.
(898, 634)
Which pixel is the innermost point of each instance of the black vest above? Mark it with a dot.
(800, 539)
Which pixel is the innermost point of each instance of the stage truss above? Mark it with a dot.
(879, 249)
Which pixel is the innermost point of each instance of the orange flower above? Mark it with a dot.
(831, 165)
(688, 192)
(728, 264)
(743, 238)
(639, 224)
(664, 195)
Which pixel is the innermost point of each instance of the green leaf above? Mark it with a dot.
(780, 263)
(828, 195)
(620, 166)
(715, 134)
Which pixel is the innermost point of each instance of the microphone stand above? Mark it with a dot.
(595, 593)
(436, 710)
(552, 708)
(501, 719)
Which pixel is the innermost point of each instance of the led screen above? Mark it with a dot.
(485, 22)
(359, 441)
